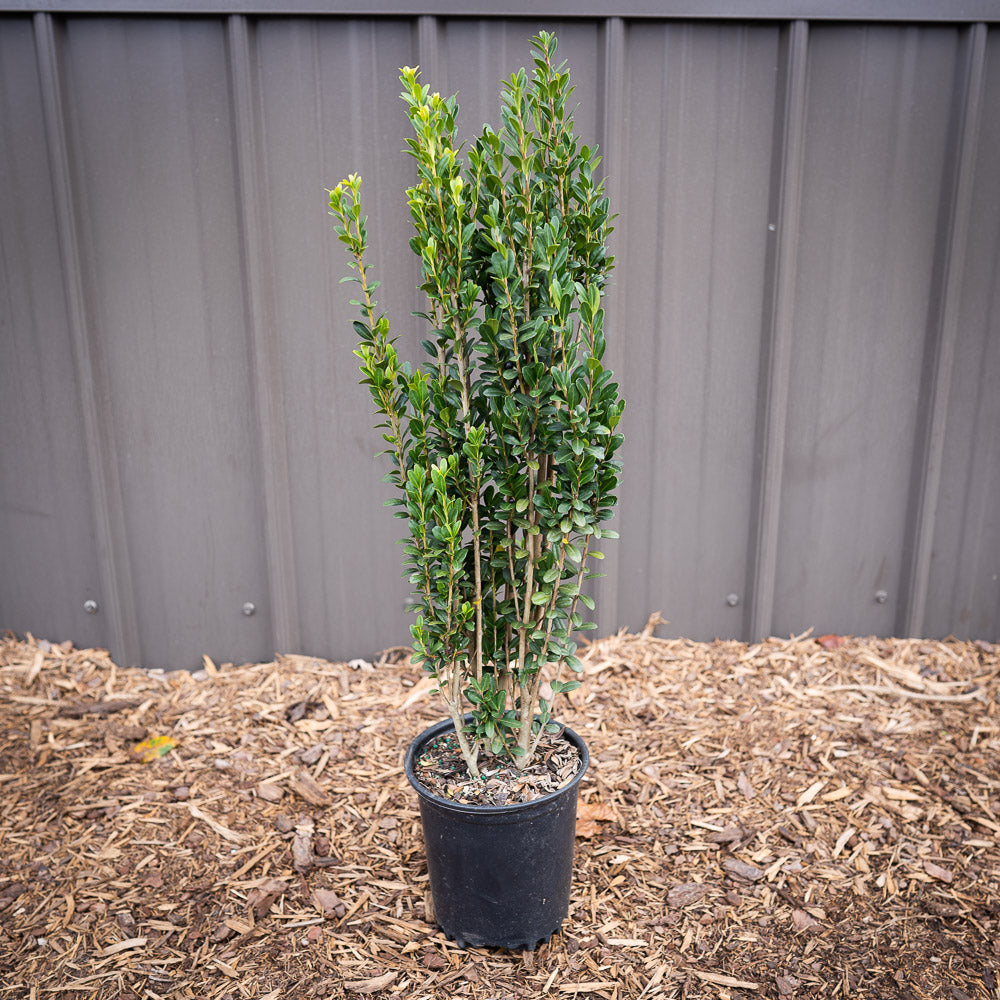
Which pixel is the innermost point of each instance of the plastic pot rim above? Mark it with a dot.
(439, 728)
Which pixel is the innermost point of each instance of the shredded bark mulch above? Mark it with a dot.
(794, 818)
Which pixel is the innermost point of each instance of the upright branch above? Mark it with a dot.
(504, 444)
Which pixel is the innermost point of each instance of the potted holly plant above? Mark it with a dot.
(502, 449)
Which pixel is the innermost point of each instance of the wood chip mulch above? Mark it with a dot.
(795, 818)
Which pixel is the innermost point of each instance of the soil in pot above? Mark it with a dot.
(442, 770)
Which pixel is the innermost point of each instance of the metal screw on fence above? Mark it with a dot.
(90, 607)
(881, 597)
(732, 600)
(249, 608)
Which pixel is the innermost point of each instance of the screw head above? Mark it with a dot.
(249, 608)
(881, 597)
(732, 600)
(90, 607)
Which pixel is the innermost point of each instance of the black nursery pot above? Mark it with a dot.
(500, 875)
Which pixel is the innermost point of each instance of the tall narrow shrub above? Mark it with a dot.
(503, 444)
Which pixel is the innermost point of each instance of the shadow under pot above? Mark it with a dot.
(500, 874)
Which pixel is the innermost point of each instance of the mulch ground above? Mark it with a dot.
(777, 820)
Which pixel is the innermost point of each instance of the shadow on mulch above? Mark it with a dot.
(777, 820)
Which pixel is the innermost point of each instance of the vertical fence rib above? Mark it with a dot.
(265, 350)
(942, 333)
(777, 335)
(610, 138)
(114, 572)
(428, 44)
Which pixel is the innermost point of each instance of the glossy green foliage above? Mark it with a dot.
(503, 444)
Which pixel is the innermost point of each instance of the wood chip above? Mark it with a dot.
(138, 942)
(810, 793)
(803, 921)
(222, 831)
(329, 903)
(842, 841)
(36, 666)
(837, 794)
(686, 894)
(742, 870)
(786, 985)
(590, 816)
(370, 985)
(262, 897)
(270, 792)
(901, 795)
(719, 980)
(936, 871)
(303, 784)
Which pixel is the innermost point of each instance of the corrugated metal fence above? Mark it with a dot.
(805, 317)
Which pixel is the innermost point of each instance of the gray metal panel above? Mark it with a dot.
(151, 147)
(264, 336)
(685, 331)
(963, 594)
(322, 86)
(47, 541)
(803, 317)
(778, 328)
(955, 11)
(877, 127)
(954, 223)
